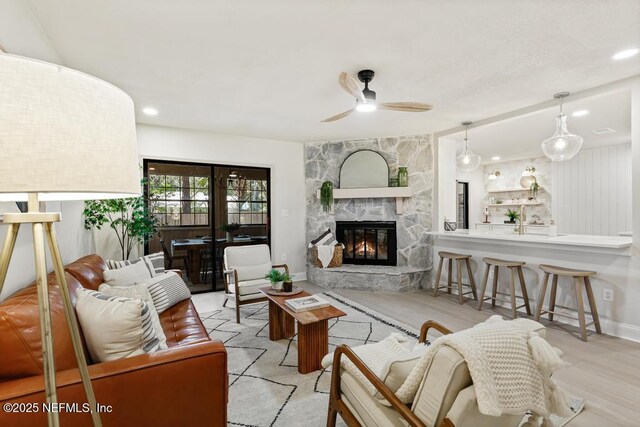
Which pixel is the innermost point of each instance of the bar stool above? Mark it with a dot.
(513, 266)
(459, 258)
(577, 275)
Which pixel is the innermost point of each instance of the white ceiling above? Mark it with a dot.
(520, 137)
(269, 68)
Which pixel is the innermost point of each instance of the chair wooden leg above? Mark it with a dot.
(472, 280)
(580, 302)
(460, 297)
(450, 276)
(512, 285)
(494, 291)
(592, 304)
(525, 295)
(483, 286)
(552, 298)
(237, 310)
(543, 291)
(436, 284)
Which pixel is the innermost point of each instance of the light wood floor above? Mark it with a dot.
(605, 370)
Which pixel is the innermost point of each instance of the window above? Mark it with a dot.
(247, 201)
(179, 200)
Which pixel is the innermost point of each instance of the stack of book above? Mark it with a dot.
(311, 302)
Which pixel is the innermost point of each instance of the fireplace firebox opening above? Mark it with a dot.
(368, 242)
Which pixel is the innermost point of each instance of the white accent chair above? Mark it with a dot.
(244, 270)
(446, 397)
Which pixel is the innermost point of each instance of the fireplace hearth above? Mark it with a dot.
(368, 242)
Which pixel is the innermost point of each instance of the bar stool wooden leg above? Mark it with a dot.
(543, 291)
(450, 276)
(494, 292)
(483, 286)
(512, 285)
(460, 297)
(592, 304)
(525, 295)
(552, 298)
(438, 274)
(472, 280)
(580, 302)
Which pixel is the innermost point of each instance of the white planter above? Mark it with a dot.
(277, 285)
(229, 237)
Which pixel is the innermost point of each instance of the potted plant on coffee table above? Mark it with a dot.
(276, 277)
(230, 229)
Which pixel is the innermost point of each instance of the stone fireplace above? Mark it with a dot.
(367, 242)
(413, 251)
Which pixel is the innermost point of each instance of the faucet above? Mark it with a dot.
(521, 218)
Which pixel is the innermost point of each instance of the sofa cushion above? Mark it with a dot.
(20, 339)
(182, 325)
(154, 262)
(167, 290)
(251, 262)
(368, 410)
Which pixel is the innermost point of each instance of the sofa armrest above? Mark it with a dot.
(165, 388)
(429, 324)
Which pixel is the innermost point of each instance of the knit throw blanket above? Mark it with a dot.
(510, 367)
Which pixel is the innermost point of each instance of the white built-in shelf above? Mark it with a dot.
(496, 205)
(511, 190)
(398, 193)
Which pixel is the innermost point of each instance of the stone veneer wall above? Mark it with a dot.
(322, 163)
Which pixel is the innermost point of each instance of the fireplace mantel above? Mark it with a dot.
(398, 193)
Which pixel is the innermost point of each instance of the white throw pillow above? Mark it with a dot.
(167, 290)
(115, 327)
(139, 291)
(154, 262)
(127, 276)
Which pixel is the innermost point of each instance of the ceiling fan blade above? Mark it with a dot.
(351, 86)
(338, 116)
(411, 107)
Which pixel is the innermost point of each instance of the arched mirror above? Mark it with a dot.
(364, 169)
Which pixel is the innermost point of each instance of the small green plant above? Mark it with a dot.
(499, 202)
(513, 215)
(534, 188)
(230, 228)
(275, 276)
(326, 195)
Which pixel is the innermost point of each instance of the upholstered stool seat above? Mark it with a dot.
(459, 258)
(513, 266)
(580, 278)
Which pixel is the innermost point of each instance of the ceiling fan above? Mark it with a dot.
(366, 98)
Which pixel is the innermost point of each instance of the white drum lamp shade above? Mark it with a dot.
(64, 134)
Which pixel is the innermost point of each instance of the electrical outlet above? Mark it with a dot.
(285, 212)
(284, 257)
(607, 295)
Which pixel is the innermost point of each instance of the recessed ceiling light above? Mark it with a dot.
(495, 158)
(150, 111)
(580, 113)
(624, 54)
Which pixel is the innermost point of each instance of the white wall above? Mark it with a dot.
(446, 177)
(592, 191)
(287, 176)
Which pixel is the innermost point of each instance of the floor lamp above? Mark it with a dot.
(64, 135)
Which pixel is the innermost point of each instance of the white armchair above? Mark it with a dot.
(446, 397)
(244, 271)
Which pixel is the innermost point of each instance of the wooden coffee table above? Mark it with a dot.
(313, 329)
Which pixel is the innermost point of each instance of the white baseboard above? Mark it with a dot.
(299, 277)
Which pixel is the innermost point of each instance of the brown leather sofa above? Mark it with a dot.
(185, 385)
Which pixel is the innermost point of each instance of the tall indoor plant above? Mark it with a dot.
(130, 219)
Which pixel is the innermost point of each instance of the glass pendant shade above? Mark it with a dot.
(563, 145)
(468, 161)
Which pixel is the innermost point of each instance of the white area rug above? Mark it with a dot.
(265, 388)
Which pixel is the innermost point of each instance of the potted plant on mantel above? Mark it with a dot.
(230, 229)
(326, 196)
(513, 216)
(277, 279)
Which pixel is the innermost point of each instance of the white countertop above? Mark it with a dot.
(618, 244)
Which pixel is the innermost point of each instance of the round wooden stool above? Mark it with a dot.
(580, 277)
(459, 258)
(513, 266)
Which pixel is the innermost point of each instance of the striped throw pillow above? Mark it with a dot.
(167, 290)
(327, 238)
(154, 262)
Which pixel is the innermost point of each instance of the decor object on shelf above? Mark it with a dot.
(468, 161)
(364, 169)
(326, 195)
(130, 218)
(527, 177)
(494, 175)
(499, 202)
(563, 145)
(366, 98)
(229, 229)
(393, 182)
(513, 216)
(450, 225)
(403, 177)
(57, 125)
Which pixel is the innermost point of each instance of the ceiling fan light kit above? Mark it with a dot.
(467, 161)
(562, 145)
(366, 98)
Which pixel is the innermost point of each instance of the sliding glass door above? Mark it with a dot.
(203, 209)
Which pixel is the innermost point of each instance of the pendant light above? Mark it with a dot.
(467, 160)
(563, 145)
